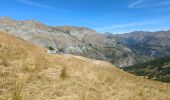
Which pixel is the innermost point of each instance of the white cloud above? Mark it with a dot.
(135, 4)
(35, 4)
(149, 3)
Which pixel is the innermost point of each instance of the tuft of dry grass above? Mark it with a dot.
(20, 83)
(17, 93)
(18, 88)
(4, 56)
(64, 73)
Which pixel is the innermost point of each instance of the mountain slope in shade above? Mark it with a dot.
(158, 69)
(29, 73)
(74, 40)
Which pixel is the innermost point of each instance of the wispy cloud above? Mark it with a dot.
(163, 3)
(135, 3)
(132, 25)
(148, 3)
(38, 5)
(119, 26)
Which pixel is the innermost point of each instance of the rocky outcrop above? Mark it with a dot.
(74, 40)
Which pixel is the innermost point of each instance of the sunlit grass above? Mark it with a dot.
(29, 73)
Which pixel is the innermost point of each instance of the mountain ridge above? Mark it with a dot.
(75, 40)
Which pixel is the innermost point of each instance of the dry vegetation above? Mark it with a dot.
(28, 73)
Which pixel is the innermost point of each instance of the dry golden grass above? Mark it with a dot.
(28, 73)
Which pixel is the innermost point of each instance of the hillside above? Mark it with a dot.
(158, 69)
(80, 41)
(29, 73)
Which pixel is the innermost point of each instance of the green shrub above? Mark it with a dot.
(50, 48)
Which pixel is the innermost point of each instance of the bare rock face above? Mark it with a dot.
(74, 40)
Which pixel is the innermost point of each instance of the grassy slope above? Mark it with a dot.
(28, 73)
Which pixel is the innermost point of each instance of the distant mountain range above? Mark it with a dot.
(74, 40)
(145, 44)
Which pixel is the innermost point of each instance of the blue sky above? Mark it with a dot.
(117, 16)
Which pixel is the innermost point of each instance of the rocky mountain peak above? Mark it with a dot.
(7, 20)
